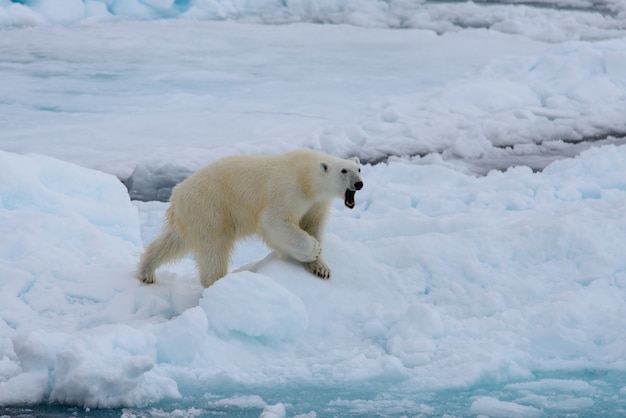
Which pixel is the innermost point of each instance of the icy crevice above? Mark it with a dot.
(155, 182)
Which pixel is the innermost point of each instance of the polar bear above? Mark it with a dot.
(284, 199)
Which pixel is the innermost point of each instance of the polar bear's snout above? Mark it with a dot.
(350, 192)
(355, 184)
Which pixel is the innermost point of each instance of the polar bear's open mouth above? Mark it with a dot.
(349, 199)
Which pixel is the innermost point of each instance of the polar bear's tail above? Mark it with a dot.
(167, 247)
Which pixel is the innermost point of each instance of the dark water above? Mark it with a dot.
(156, 183)
(606, 7)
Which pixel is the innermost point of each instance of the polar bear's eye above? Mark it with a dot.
(359, 170)
(344, 171)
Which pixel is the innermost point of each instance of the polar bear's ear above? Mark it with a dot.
(356, 160)
(324, 167)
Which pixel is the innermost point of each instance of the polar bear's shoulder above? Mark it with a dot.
(306, 159)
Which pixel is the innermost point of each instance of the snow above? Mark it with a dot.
(477, 99)
(494, 408)
(457, 289)
(275, 313)
(440, 280)
(570, 22)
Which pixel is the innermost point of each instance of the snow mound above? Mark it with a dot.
(271, 311)
(73, 233)
(110, 367)
(37, 185)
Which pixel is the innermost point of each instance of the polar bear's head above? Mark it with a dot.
(346, 176)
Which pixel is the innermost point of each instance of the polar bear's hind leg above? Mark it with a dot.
(212, 259)
(167, 247)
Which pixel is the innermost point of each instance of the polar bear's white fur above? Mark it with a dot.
(284, 199)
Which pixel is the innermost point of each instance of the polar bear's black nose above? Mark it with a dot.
(358, 185)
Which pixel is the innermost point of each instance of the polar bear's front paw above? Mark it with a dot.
(318, 268)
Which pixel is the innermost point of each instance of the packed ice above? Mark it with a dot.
(481, 272)
(441, 280)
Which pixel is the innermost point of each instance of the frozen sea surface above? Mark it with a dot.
(162, 98)
(456, 291)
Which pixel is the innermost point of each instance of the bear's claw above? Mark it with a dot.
(146, 278)
(318, 268)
